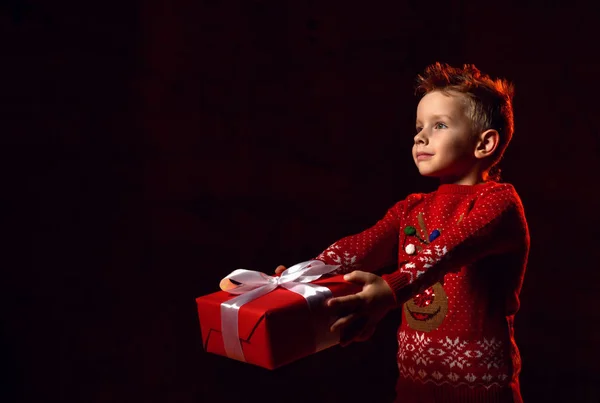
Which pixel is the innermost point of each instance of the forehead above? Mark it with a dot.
(442, 103)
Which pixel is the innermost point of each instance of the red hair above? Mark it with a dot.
(490, 100)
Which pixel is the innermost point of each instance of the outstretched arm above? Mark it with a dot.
(370, 250)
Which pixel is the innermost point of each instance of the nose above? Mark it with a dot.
(421, 138)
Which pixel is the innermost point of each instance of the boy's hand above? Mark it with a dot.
(280, 269)
(361, 312)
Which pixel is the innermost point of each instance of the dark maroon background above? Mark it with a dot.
(149, 148)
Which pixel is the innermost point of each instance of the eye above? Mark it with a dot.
(440, 125)
(418, 129)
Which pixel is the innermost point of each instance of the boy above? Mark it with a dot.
(460, 251)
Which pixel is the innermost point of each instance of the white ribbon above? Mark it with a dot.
(254, 284)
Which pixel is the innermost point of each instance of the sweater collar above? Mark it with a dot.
(465, 189)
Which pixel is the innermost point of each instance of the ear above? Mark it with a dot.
(487, 143)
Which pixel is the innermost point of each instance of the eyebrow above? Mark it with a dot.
(434, 117)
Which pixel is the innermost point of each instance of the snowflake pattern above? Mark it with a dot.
(492, 351)
(403, 269)
(420, 355)
(487, 377)
(403, 347)
(429, 257)
(470, 377)
(416, 347)
(335, 254)
(453, 377)
(456, 356)
(450, 358)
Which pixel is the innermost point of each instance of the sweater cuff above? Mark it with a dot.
(397, 282)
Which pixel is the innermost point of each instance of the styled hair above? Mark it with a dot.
(489, 100)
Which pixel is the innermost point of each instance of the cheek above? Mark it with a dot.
(457, 148)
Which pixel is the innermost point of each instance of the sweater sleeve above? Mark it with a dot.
(370, 250)
(495, 225)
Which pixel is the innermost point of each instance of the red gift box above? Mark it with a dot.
(274, 329)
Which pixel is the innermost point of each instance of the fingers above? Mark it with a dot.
(361, 329)
(280, 269)
(226, 284)
(355, 324)
(359, 277)
(353, 330)
(366, 334)
(343, 322)
(342, 306)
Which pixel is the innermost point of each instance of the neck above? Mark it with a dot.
(473, 177)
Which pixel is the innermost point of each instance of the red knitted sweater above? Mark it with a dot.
(460, 254)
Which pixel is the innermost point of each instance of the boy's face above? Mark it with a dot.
(445, 143)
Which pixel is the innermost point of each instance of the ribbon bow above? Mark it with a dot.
(250, 285)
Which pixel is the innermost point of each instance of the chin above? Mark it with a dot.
(428, 173)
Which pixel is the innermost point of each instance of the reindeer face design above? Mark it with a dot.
(425, 311)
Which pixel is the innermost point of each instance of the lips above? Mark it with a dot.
(423, 316)
(423, 156)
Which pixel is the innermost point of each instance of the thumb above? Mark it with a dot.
(358, 277)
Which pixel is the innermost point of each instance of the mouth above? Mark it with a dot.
(423, 316)
(423, 156)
